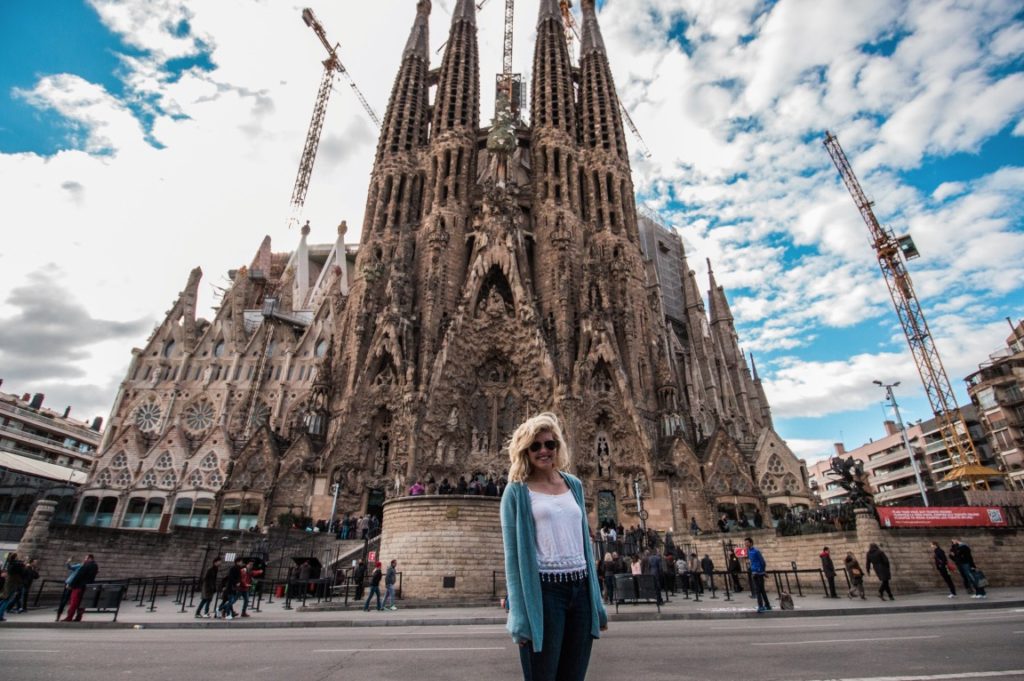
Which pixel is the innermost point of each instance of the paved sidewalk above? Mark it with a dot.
(168, 615)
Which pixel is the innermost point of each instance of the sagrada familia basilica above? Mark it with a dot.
(501, 270)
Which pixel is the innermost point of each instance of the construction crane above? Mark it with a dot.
(571, 31)
(507, 82)
(892, 251)
(332, 65)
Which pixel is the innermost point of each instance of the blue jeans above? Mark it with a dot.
(567, 640)
(374, 590)
(757, 587)
(227, 605)
(389, 594)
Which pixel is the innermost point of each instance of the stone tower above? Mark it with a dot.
(500, 271)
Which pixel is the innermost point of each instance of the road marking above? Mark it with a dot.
(402, 650)
(761, 625)
(936, 677)
(846, 640)
(26, 650)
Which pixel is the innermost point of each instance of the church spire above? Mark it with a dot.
(457, 104)
(720, 311)
(396, 186)
(418, 42)
(599, 104)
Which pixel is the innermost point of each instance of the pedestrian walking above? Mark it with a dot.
(734, 572)
(555, 608)
(964, 559)
(208, 589)
(707, 566)
(608, 568)
(375, 578)
(879, 562)
(230, 590)
(757, 573)
(358, 577)
(83, 577)
(856, 573)
(828, 568)
(389, 586)
(942, 566)
(695, 574)
(363, 526)
(30, 575)
(13, 571)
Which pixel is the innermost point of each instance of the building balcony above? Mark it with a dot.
(53, 446)
(82, 433)
(899, 454)
(891, 476)
(903, 492)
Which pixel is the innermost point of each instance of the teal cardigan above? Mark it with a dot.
(525, 606)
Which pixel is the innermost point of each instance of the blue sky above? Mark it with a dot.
(141, 139)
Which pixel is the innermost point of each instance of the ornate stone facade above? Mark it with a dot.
(499, 273)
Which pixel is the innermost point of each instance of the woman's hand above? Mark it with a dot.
(524, 642)
(604, 627)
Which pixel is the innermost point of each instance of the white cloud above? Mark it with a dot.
(733, 99)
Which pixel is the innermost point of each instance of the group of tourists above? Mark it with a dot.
(365, 526)
(238, 584)
(476, 485)
(16, 579)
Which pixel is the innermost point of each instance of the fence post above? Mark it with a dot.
(152, 597)
(796, 576)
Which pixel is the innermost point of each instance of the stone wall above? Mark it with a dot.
(996, 551)
(434, 537)
(181, 551)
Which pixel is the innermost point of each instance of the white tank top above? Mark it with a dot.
(558, 522)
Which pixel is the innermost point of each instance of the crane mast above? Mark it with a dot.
(332, 65)
(891, 251)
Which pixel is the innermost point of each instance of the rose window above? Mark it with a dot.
(147, 416)
(119, 460)
(149, 479)
(261, 415)
(199, 416)
(775, 465)
(169, 480)
(196, 479)
(165, 461)
(209, 462)
(124, 478)
(214, 479)
(104, 478)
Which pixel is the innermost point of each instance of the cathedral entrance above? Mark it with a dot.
(607, 512)
(375, 504)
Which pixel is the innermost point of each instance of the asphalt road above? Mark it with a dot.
(894, 647)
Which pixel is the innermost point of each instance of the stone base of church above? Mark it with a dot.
(446, 546)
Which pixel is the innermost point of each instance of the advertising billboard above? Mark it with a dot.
(941, 516)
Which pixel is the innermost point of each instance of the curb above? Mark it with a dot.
(500, 619)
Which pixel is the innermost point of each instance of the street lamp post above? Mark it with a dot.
(906, 441)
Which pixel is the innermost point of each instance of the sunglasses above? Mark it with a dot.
(550, 445)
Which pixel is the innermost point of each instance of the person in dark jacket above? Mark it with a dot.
(358, 577)
(374, 587)
(961, 554)
(30, 575)
(879, 562)
(734, 572)
(828, 568)
(13, 572)
(85, 576)
(208, 588)
(230, 588)
(964, 559)
(707, 566)
(942, 565)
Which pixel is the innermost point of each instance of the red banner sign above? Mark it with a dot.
(741, 552)
(942, 516)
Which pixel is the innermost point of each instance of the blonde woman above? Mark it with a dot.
(555, 608)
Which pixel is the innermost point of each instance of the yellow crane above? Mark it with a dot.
(892, 251)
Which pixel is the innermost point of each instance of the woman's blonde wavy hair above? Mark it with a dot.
(522, 438)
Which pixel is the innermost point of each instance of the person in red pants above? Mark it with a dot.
(85, 576)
